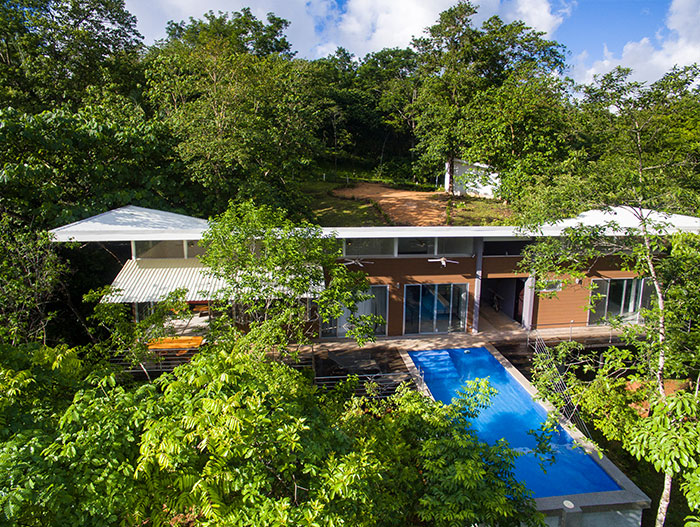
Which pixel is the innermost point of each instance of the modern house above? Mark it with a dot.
(425, 280)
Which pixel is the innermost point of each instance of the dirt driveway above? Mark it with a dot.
(404, 207)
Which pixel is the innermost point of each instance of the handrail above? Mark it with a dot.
(569, 411)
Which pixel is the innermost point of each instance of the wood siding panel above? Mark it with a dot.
(502, 267)
(570, 303)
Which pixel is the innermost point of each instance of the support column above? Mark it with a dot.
(479, 252)
(529, 302)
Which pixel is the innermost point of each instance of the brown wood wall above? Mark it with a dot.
(397, 272)
(502, 267)
(568, 308)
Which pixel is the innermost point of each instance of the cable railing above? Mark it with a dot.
(569, 410)
(374, 385)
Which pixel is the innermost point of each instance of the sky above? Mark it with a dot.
(649, 36)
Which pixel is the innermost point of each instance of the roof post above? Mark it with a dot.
(479, 250)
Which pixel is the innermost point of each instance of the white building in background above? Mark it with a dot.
(472, 179)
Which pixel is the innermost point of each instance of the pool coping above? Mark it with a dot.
(629, 497)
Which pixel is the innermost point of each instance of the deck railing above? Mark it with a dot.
(569, 410)
(375, 385)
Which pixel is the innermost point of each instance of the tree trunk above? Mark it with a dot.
(451, 174)
(662, 312)
(664, 501)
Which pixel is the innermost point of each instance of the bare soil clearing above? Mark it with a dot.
(403, 207)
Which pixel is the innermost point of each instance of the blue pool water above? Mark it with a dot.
(511, 415)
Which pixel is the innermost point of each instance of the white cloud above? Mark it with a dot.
(678, 45)
(537, 14)
(319, 26)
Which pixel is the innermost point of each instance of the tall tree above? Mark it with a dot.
(242, 31)
(245, 124)
(282, 274)
(30, 271)
(52, 50)
(456, 61)
(641, 144)
(59, 166)
(523, 130)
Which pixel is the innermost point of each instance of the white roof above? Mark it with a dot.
(631, 218)
(443, 231)
(150, 280)
(138, 223)
(132, 223)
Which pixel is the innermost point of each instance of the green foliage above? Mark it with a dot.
(458, 62)
(274, 267)
(30, 271)
(54, 49)
(242, 31)
(520, 129)
(116, 333)
(57, 167)
(245, 123)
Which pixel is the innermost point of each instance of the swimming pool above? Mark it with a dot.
(511, 415)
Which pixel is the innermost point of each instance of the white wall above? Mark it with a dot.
(463, 171)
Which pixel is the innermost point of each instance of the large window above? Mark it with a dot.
(435, 308)
(505, 247)
(369, 247)
(455, 246)
(160, 249)
(374, 306)
(416, 245)
(619, 298)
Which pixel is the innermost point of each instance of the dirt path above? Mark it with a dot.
(404, 207)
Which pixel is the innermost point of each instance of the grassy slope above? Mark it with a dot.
(331, 211)
(466, 210)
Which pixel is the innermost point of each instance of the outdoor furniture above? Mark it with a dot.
(180, 344)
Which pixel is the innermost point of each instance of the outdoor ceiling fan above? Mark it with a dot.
(356, 261)
(443, 261)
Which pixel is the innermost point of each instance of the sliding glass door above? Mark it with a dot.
(377, 305)
(619, 299)
(435, 308)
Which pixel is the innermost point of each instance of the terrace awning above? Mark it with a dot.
(151, 279)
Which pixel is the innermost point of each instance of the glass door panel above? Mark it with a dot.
(427, 309)
(379, 307)
(412, 309)
(459, 307)
(435, 308)
(443, 302)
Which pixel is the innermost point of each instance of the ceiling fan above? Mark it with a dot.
(356, 261)
(443, 261)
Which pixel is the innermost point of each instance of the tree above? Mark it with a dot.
(283, 277)
(246, 124)
(242, 31)
(52, 50)
(522, 129)
(232, 438)
(641, 147)
(389, 77)
(58, 166)
(30, 271)
(458, 60)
